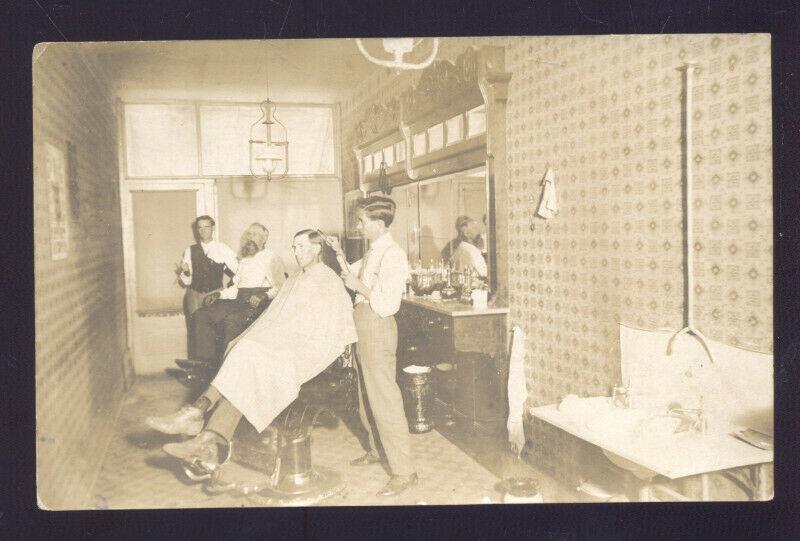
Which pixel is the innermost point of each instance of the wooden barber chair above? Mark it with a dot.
(274, 468)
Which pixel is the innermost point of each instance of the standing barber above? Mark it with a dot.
(202, 269)
(379, 280)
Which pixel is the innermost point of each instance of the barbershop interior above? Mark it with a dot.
(587, 307)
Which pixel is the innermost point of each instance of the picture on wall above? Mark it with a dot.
(55, 174)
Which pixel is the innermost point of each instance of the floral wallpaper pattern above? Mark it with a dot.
(605, 112)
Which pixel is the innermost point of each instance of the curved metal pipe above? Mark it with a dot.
(688, 283)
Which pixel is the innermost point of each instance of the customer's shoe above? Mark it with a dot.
(397, 484)
(370, 457)
(188, 421)
(201, 450)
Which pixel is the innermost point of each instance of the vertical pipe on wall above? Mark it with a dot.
(688, 264)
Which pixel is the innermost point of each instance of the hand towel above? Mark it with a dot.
(517, 392)
(548, 207)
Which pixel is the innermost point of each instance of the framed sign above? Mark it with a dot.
(55, 175)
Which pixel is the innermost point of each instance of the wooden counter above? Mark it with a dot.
(472, 344)
(451, 308)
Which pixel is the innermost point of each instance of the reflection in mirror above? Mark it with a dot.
(405, 225)
(444, 220)
(452, 220)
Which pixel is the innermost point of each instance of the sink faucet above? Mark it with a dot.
(691, 418)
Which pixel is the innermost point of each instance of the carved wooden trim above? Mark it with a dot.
(440, 84)
(379, 120)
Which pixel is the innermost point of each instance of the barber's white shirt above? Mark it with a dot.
(385, 274)
(264, 269)
(218, 252)
(467, 254)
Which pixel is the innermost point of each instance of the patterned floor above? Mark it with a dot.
(137, 474)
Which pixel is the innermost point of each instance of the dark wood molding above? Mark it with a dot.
(440, 84)
(379, 120)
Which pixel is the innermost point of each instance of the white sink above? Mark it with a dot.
(617, 422)
(598, 414)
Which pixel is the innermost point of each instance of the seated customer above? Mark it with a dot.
(307, 326)
(465, 253)
(259, 278)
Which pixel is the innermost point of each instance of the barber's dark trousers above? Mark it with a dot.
(377, 364)
(232, 315)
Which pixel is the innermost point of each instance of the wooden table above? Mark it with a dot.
(674, 456)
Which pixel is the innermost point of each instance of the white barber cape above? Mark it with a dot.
(303, 331)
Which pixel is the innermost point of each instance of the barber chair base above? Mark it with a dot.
(294, 490)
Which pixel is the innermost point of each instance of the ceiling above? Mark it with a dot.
(314, 71)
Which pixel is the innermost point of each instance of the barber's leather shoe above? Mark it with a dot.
(370, 457)
(397, 484)
(201, 450)
(188, 421)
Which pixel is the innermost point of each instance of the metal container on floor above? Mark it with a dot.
(520, 490)
(418, 398)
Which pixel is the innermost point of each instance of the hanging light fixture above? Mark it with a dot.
(269, 143)
(398, 48)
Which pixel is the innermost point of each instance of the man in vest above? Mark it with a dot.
(202, 269)
(260, 276)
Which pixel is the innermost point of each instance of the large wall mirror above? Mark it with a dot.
(444, 219)
(433, 150)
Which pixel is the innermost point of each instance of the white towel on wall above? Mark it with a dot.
(517, 391)
(548, 207)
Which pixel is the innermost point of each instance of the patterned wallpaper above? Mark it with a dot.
(80, 320)
(606, 113)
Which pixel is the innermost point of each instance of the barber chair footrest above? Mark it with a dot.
(233, 476)
(322, 483)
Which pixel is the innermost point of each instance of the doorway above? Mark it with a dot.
(157, 217)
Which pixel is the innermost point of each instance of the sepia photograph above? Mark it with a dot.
(403, 271)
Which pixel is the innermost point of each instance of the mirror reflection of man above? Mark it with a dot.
(466, 254)
(203, 268)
